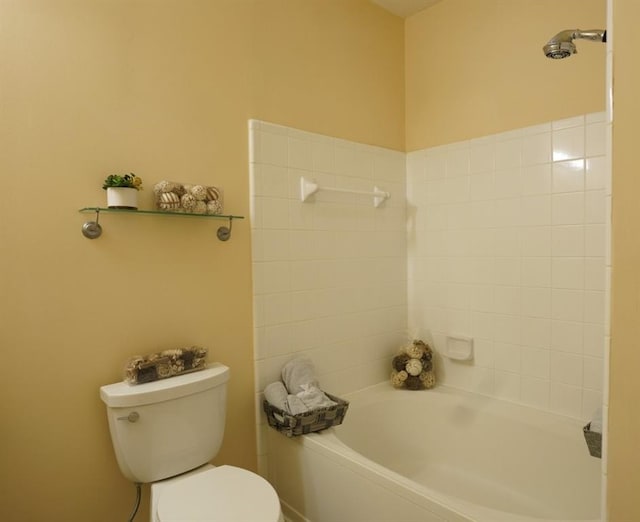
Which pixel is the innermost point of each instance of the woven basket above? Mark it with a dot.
(594, 441)
(314, 420)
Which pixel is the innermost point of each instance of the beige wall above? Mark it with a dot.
(162, 88)
(476, 68)
(624, 415)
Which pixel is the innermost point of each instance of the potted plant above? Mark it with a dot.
(122, 190)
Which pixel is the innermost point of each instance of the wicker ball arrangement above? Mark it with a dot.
(188, 198)
(413, 367)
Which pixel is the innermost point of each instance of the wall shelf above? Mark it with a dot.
(93, 229)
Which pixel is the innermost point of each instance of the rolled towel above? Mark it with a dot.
(313, 398)
(596, 421)
(297, 373)
(295, 405)
(276, 395)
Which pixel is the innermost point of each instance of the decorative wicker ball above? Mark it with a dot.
(188, 202)
(214, 207)
(400, 361)
(213, 193)
(413, 382)
(165, 186)
(199, 208)
(168, 201)
(428, 379)
(164, 369)
(398, 378)
(159, 187)
(199, 192)
(415, 350)
(414, 367)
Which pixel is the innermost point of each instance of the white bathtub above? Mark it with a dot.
(441, 454)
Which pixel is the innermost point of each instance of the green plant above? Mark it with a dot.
(127, 180)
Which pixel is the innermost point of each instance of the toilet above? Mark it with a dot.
(166, 432)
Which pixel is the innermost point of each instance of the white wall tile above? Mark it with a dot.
(535, 211)
(536, 179)
(482, 156)
(593, 340)
(568, 241)
(536, 271)
(300, 154)
(595, 207)
(273, 149)
(535, 241)
(568, 209)
(567, 305)
(536, 149)
(507, 183)
(508, 154)
(593, 373)
(507, 385)
(566, 368)
(568, 272)
(594, 304)
(596, 142)
(535, 392)
(565, 399)
(568, 176)
(567, 336)
(568, 143)
(595, 240)
(536, 302)
(483, 354)
(536, 332)
(507, 357)
(596, 173)
(594, 273)
(457, 162)
(535, 362)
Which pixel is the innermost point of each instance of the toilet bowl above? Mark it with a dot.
(215, 494)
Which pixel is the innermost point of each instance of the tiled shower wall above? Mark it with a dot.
(329, 274)
(506, 244)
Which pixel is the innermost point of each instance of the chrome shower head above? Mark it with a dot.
(562, 46)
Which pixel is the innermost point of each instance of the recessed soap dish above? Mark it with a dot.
(459, 347)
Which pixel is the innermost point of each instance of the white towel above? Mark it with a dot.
(298, 373)
(313, 398)
(295, 405)
(276, 395)
(596, 421)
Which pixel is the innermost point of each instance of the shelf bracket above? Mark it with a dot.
(92, 229)
(224, 233)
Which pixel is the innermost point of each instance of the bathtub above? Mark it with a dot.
(437, 455)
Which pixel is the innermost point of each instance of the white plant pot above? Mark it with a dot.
(122, 197)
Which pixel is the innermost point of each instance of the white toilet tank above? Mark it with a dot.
(167, 427)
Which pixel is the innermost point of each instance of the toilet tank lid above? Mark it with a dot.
(123, 394)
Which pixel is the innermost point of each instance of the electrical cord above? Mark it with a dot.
(137, 504)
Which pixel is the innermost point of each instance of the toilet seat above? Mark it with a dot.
(222, 494)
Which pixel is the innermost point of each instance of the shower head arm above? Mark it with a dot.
(596, 35)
